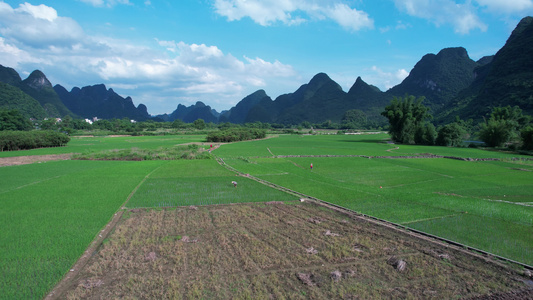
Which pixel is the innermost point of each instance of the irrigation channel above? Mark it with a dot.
(378, 221)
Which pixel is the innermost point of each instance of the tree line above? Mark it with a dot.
(409, 123)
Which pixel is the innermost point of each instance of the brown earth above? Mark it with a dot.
(296, 250)
(23, 160)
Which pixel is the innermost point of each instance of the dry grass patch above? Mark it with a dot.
(279, 251)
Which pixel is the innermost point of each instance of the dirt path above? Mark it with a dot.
(23, 160)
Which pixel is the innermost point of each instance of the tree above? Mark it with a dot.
(178, 124)
(353, 119)
(527, 138)
(199, 124)
(425, 134)
(503, 125)
(13, 120)
(407, 119)
(49, 124)
(451, 134)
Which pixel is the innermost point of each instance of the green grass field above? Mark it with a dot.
(446, 197)
(52, 211)
(103, 143)
(175, 184)
(50, 214)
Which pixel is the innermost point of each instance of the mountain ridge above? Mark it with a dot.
(452, 83)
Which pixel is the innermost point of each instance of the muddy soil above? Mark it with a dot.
(278, 250)
(23, 160)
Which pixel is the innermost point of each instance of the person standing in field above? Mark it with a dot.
(234, 183)
(311, 166)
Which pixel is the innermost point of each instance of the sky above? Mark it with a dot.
(164, 53)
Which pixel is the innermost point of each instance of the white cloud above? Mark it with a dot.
(462, 17)
(294, 12)
(350, 19)
(38, 26)
(521, 7)
(39, 12)
(36, 37)
(386, 80)
(108, 3)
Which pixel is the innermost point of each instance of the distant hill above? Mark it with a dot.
(9, 76)
(36, 98)
(317, 101)
(438, 77)
(40, 88)
(507, 79)
(240, 112)
(98, 101)
(452, 83)
(37, 87)
(192, 113)
(369, 99)
(12, 97)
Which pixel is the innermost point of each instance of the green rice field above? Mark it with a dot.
(52, 211)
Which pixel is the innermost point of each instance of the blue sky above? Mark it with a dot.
(164, 53)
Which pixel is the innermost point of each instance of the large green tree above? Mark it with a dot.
(13, 120)
(452, 134)
(408, 121)
(503, 125)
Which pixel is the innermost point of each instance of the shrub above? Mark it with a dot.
(451, 134)
(236, 134)
(527, 138)
(25, 140)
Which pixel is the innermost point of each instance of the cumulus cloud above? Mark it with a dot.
(387, 80)
(38, 26)
(160, 76)
(293, 12)
(462, 16)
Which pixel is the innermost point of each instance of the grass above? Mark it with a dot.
(52, 211)
(175, 185)
(50, 214)
(407, 191)
(87, 145)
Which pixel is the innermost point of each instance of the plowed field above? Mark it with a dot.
(275, 250)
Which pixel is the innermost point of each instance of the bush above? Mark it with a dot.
(495, 133)
(527, 138)
(451, 134)
(235, 135)
(25, 140)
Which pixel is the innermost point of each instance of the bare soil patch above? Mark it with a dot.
(23, 160)
(279, 251)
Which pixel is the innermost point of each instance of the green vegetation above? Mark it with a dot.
(200, 182)
(24, 140)
(236, 135)
(13, 120)
(413, 192)
(12, 97)
(52, 211)
(504, 124)
(408, 121)
(452, 134)
(50, 214)
(85, 145)
(192, 151)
